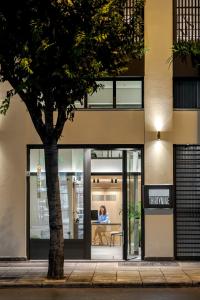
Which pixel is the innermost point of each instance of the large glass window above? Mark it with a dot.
(186, 93)
(128, 94)
(120, 92)
(106, 153)
(71, 194)
(103, 97)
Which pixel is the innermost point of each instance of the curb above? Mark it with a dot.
(99, 285)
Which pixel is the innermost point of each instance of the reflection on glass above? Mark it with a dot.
(129, 94)
(71, 195)
(106, 153)
(134, 207)
(79, 104)
(103, 97)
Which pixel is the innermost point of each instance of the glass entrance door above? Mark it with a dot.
(106, 205)
(116, 185)
(133, 205)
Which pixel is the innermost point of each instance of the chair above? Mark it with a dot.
(113, 234)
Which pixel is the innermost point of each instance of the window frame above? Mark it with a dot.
(114, 103)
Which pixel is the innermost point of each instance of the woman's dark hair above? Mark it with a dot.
(104, 210)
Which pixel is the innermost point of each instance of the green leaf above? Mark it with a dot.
(6, 102)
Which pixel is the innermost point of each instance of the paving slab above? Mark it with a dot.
(174, 274)
(99, 274)
(84, 271)
(130, 281)
(105, 277)
(80, 278)
(130, 268)
(154, 280)
(178, 280)
(107, 266)
(87, 265)
(57, 283)
(178, 269)
(129, 277)
(149, 273)
(128, 272)
(35, 282)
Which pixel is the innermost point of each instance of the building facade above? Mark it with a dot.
(133, 147)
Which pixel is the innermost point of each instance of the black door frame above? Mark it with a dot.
(125, 204)
(86, 243)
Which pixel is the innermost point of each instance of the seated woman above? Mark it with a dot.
(100, 229)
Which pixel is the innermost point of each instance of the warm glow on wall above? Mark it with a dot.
(158, 123)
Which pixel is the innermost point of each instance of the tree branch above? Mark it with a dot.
(34, 111)
(61, 119)
(36, 117)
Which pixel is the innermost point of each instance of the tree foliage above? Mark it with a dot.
(52, 51)
(185, 49)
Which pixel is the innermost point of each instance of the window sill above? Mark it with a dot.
(110, 109)
(186, 109)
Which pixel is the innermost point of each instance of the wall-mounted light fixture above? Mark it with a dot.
(111, 180)
(93, 180)
(115, 180)
(158, 135)
(97, 180)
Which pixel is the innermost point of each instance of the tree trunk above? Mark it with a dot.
(56, 249)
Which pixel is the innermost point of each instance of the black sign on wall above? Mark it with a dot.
(158, 196)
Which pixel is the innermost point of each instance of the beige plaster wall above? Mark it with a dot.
(186, 127)
(12, 182)
(158, 235)
(158, 92)
(100, 127)
(158, 117)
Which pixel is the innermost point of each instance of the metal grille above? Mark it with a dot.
(186, 93)
(187, 20)
(187, 201)
(129, 9)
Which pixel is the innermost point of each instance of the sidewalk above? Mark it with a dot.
(105, 274)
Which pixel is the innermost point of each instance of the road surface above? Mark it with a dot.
(100, 294)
